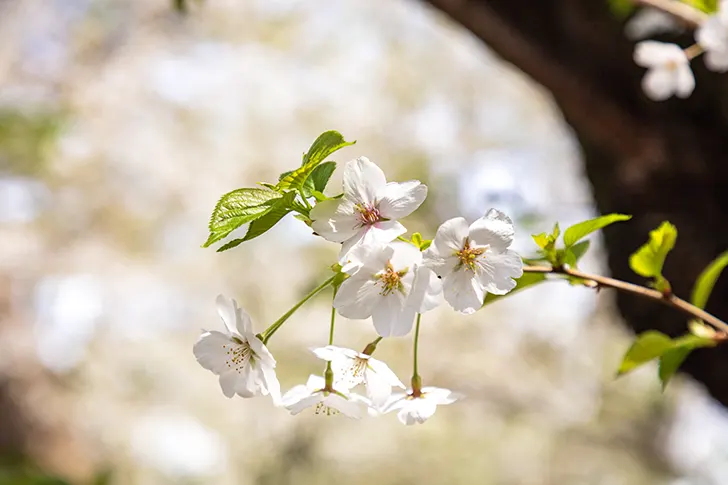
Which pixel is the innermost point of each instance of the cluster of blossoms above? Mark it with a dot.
(382, 276)
(668, 65)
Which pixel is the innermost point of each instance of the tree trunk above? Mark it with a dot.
(657, 161)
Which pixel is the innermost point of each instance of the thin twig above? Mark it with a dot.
(666, 299)
(683, 12)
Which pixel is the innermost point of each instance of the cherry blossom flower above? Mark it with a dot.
(712, 36)
(353, 368)
(242, 361)
(668, 70)
(473, 261)
(419, 407)
(314, 394)
(390, 284)
(369, 210)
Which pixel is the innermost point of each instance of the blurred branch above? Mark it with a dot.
(668, 299)
(688, 15)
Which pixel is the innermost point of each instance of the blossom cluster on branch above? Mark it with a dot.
(668, 64)
(393, 280)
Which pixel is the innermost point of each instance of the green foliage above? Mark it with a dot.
(706, 281)
(547, 243)
(707, 6)
(578, 231)
(621, 8)
(671, 353)
(573, 254)
(237, 208)
(525, 281)
(320, 177)
(279, 210)
(326, 144)
(420, 243)
(648, 260)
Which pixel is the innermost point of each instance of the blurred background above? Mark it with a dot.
(122, 122)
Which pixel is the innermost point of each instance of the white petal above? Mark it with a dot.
(315, 382)
(399, 200)
(450, 237)
(496, 271)
(211, 351)
(396, 401)
(422, 409)
(332, 352)
(712, 34)
(723, 12)
(391, 318)
(335, 220)
(650, 53)
(404, 255)
(228, 382)
(426, 290)
(360, 255)
(387, 231)
(383, 370)
(685, 81)
(271, 384)
(247, 384)
(378, 388)
(494, 229)
(659, 83)
(260, 350)
(294, 395)
(362, 181)
(360, 238)
(717, 60)
(463, 292)
(348, 407)
(226, 308)
(357, 297)
(243, 322)
(439, 395)
(306, 402)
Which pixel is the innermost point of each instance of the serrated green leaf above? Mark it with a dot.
(279, 211)
(541, 240)
(327, 143)
(525, 281)
(573, 254)
(582, 229)
(648, 346)
(706, 281)
(237, 208)
(648, 260)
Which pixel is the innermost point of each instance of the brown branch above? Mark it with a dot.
(666, 299)
(688, 15)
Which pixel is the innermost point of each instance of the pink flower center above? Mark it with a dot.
(368, 215)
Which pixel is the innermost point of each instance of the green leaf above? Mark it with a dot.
(528, 279)
(650, 258)
(707, 6)
(621, 8)
(327, 143)
(648, 346)
(670, 361)
(573, 254)
(541, 240)
(320, 176)
(425, 244)
(706, 281)
(280, 209)
(578, 231)
(237, 208)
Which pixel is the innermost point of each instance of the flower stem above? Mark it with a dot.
(371, 346)
(668, 299)
(416, 380)
(305, 201)
(278, 323)
(329, 373)
(693, 51)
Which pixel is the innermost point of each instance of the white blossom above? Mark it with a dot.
(473, 261)
(242, 361)
(369, 210)
(712, 36)
(668, 70)
(390, 284)
(418, 409)
(313, 394)
(353, 368)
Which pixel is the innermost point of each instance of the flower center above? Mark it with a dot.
(238, 355)
(469, 256)
(322, 408)
(390, 279)
(354, 374)
(368, 215)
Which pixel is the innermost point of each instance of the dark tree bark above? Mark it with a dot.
(657, 161)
